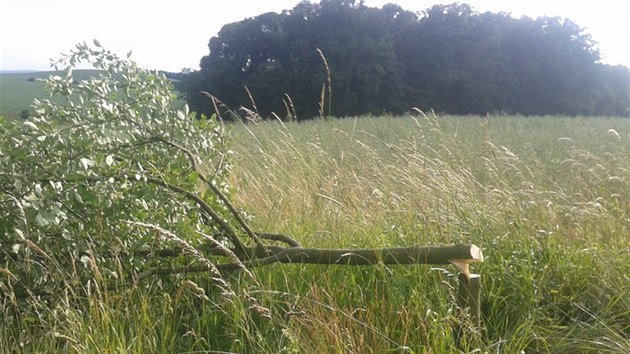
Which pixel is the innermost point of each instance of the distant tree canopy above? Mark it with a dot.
(448, 58)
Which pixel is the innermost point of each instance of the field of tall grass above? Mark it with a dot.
(546, 198)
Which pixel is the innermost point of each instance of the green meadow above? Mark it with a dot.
(547, 199)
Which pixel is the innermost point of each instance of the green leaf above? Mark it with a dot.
(38, 189)
(86, 163)
(109, 160)
(31, 125)
(78, 198)
(40, 220)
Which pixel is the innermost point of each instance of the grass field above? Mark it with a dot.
(546, 198)
(17, 90)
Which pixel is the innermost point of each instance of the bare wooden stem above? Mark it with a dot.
(240, 247)
(469, 296)
(391, 256)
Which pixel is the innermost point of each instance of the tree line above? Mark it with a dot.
(448, 58)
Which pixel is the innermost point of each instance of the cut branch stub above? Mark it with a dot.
(463, 264)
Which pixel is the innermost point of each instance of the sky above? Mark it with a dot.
(173, 34)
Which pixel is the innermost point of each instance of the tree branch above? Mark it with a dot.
(389, 256)
(211, 250)
(238, 244)
(259, 245)
(279, 237)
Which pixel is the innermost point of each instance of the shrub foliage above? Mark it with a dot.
(105, 172)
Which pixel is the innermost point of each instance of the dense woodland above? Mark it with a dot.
(448, 58)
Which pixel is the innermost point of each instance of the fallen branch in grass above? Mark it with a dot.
(102, 178)
(459, 255)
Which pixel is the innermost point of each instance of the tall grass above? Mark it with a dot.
(547, 199)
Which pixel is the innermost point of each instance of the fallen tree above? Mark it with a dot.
(110, 177)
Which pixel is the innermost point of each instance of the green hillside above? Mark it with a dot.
(17, 90)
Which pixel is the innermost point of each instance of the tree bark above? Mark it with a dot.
(456, 254)
(400, 255)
